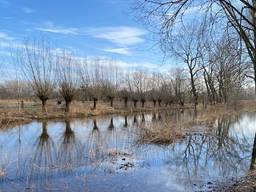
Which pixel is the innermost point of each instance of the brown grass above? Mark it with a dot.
(10, 112)
(167, 131)
(162, 134)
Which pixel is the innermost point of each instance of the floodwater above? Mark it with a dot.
(103, 155)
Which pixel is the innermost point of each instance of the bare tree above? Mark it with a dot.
(96, 79)
(38, 63)
(111, 80)
(84, 78)
(67, 78)
(236, 15)
(179, 85)
(124, 94)
(140, 83)
(228, 68)
(187, 47)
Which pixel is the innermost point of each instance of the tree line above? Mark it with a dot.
(212, 74)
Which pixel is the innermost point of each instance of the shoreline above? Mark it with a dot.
(12, 116)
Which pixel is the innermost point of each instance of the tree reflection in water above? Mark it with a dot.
(95, 146)
(142, 118)
(227, 150)
(43, 159)
(216, 155)
(111, 124)
(70, 149)
(135, 120)
(154, 117)
(125, 121)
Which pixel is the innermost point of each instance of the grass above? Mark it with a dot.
(10, 111)
(167, 131)
(162, 133)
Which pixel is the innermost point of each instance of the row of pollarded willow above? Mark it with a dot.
(215, 71)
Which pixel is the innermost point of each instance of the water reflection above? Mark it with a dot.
(94, 149)
(95, 127)
(45, 152)
(154, 117)
(125, 121)
(43, 159)
(111, 124)
(135, 120)
(64, 153)
(142, 118)
(70, 149)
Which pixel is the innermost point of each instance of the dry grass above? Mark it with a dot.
(11, 113)
(160, 134)
(168, 131)
(10, 110)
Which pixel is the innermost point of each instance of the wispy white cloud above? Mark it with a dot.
(64, 31)
(52, 28)
(121, 51)
(5, 36)
(123, 36)
(28, 10)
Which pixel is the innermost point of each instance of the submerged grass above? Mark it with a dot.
(167, 131)
(163, 133)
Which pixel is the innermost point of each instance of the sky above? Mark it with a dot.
(89, 28)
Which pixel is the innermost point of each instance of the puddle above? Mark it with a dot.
(103, 155)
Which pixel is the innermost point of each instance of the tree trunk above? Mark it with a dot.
(154, 102)
(142, 104)
(135, 104)
(253, 160)
(43, 105)
(22, 104)
(111, 102)
(159, 103)
(94, 103)
(67, 103)
(125, 102)
(253, 12)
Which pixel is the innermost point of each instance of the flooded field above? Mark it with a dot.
(103, 154)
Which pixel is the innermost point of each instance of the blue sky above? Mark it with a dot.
(92, 28)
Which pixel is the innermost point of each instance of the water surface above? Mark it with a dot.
(103, 155)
